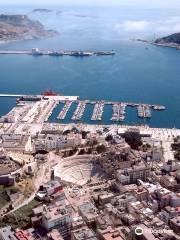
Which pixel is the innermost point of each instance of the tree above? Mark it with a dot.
(91, 142)
(133, 138)
(84, 134)
(100, 148)
(109, 138)
(177, 155)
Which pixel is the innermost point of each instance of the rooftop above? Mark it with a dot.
(84, 233)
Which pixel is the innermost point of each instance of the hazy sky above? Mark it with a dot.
(137, 3)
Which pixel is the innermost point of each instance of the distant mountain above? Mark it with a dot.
(19, 27)
(41, 10)
(173, 39)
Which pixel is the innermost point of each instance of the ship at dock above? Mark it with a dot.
(86, 54)
(28, 98)
(49, 93)
(80, 54)
(105, 53)
(36, 52)
(35, 98)
(144, 110)
(39, 52)
(55, 53)
(159, 107)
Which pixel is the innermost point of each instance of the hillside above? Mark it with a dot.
(19, 27)
(171, 39)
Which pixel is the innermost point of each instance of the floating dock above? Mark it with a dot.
(118, 112)
(65, 110)
(98, 111)
(144, 111)
(49, 109)
(79, 110)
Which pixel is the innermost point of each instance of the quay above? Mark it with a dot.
(79, 110)
(55, 97)
(36, 112)
(38, 52)
(6, 52)
(40, 112)
(12, 95)
(65, 110)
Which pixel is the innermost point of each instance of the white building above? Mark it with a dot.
(58, 216)
(56, 142)
(17, 142)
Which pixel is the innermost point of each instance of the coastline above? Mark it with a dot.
(168, 45)
(26, 28)
(115, 126)
(5, 41)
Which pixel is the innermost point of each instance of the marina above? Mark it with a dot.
(39, 108)
(108, 72)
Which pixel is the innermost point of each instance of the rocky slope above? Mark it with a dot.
(19, 27)
(173, 39)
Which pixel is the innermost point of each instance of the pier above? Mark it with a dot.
(49, 109)
(144, 111)
(118, 112)
(40, 112)
(6, 52)
(65, 110)
(55, 97)
(79, 110)
(31, 112)
(98, 111)
(38, 52)
(12, 95)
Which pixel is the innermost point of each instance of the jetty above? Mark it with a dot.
(65, 110)
(79, 110)
(98, 111)
(118, 112)
(38, 52)
(144, 111)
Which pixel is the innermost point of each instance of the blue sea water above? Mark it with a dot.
(135, 73)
